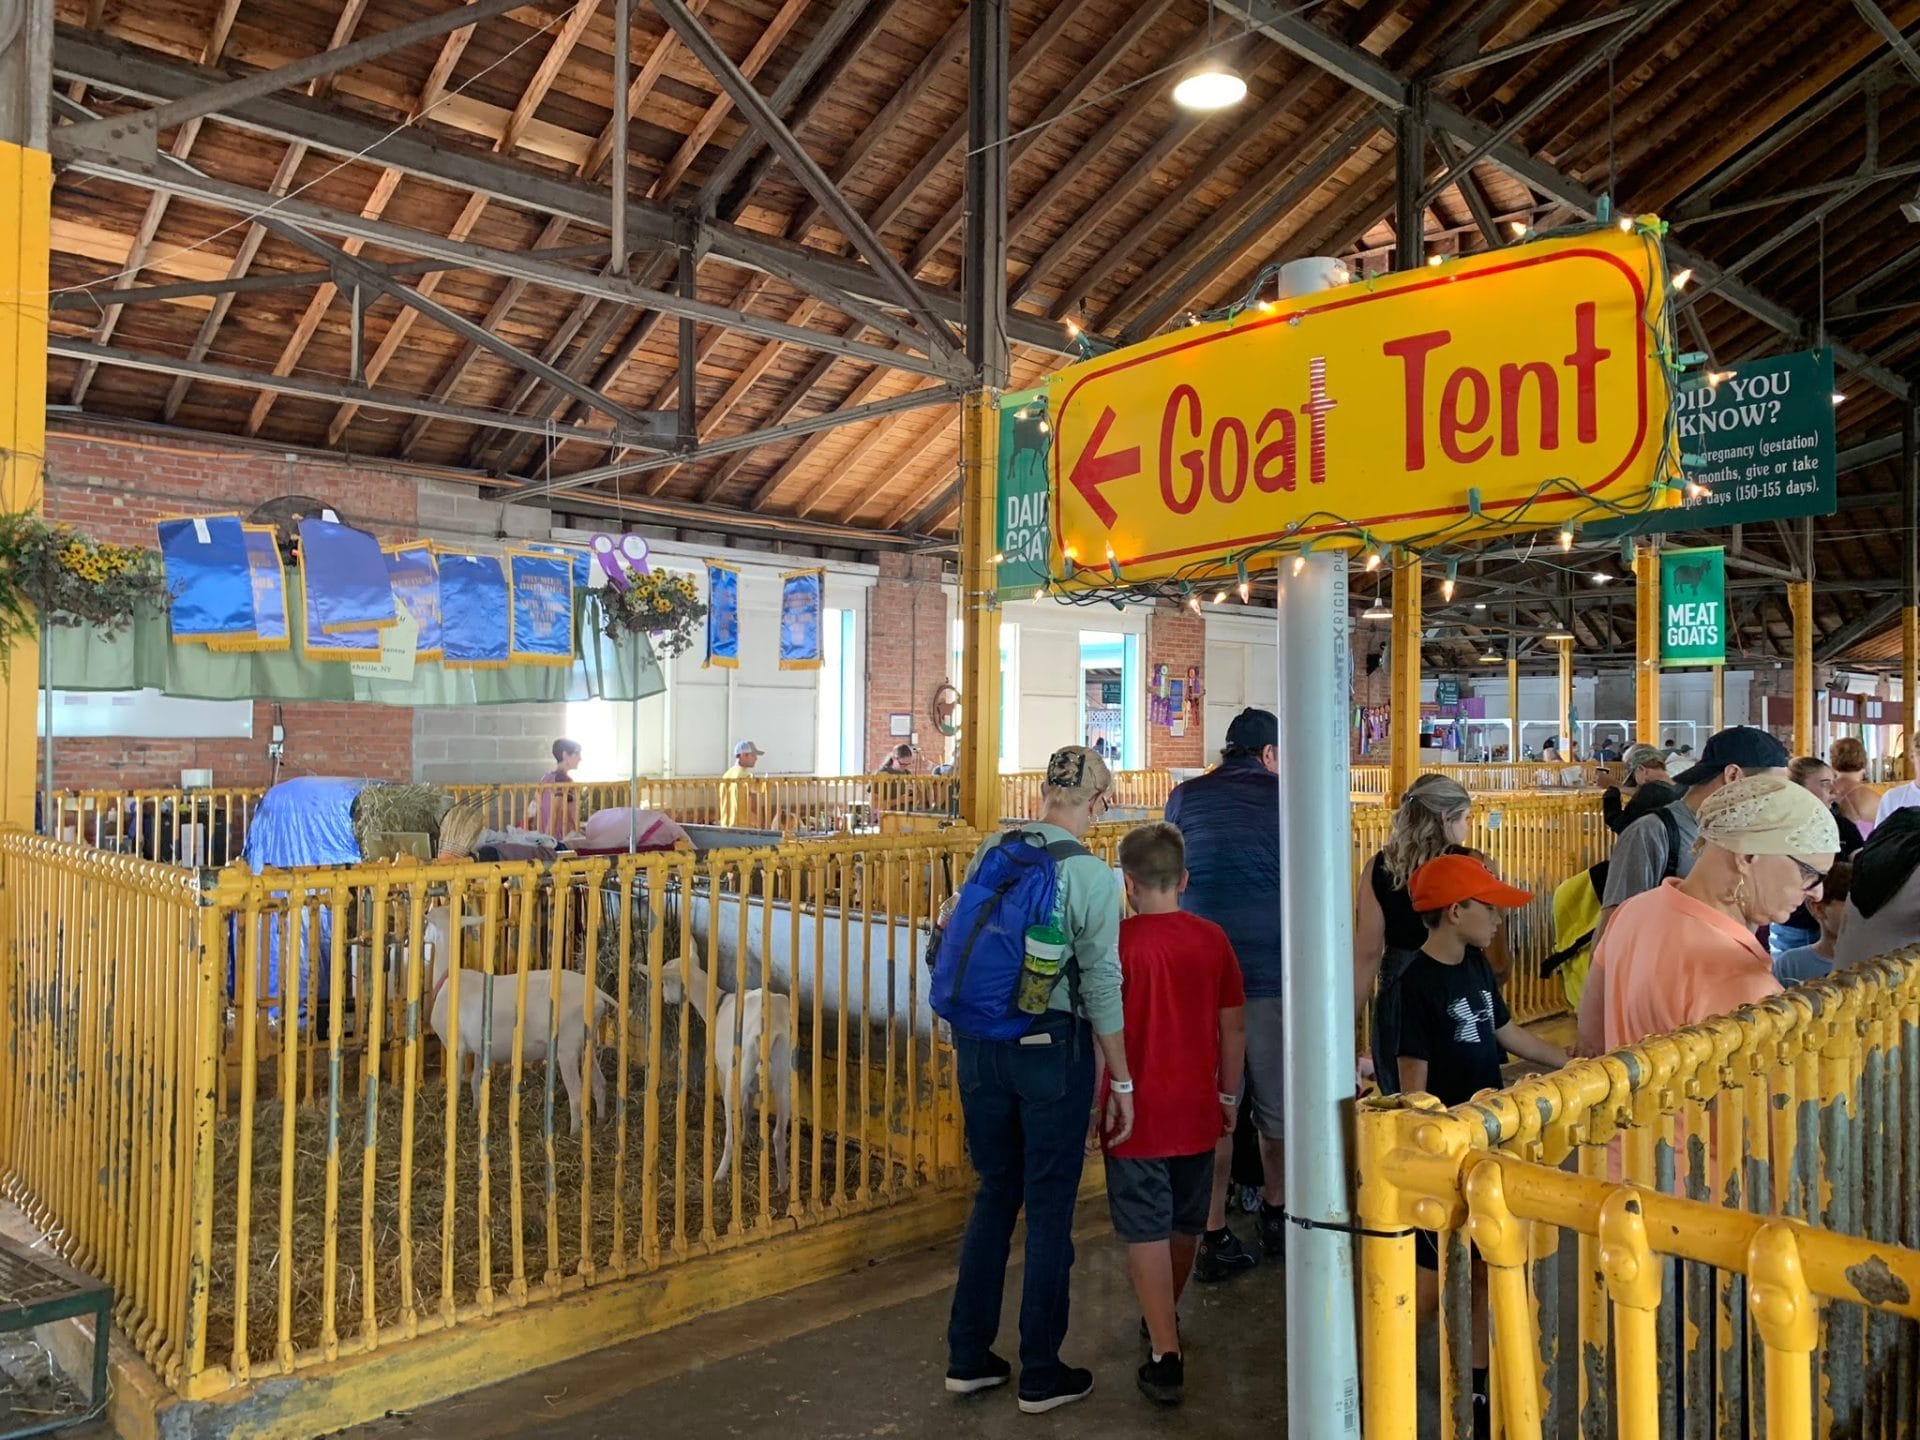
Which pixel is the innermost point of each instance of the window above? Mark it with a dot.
(1009, 698)
(839, 748)
(1111, 719)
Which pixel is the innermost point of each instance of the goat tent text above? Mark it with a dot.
(1376, 406)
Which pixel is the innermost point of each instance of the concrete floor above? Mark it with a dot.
(864, 1355)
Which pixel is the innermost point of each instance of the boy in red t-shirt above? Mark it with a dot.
(1186, 1041)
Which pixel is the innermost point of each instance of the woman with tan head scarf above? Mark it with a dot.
(1687, 950)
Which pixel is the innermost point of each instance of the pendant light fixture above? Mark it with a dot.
(1212, 84)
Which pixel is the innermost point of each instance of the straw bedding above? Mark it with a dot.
(841, 1172)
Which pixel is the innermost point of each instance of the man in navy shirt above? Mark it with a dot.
(1230, 819)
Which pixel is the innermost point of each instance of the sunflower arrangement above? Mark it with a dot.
(665, 606)
(53, 571)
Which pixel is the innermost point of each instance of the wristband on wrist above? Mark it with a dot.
(1120, 1087)
(1226, 1099)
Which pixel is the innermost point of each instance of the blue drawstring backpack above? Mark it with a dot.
(980, 952)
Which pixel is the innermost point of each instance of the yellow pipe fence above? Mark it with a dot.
(236, 1108)
(1714, 1232)
(236, 1104)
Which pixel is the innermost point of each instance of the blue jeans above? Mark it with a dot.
(1026, 1110)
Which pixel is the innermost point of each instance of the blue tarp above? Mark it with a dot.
(301, 822)
(304, 822)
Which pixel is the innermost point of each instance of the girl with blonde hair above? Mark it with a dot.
(1387, 933)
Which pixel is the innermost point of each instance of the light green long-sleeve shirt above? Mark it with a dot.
(1086, 906)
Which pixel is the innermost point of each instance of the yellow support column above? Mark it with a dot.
(1719, 698)
(1800, 603)
(1403, 738)
(1513, 706)
(1646, 650)
(1561, 721)
(26, 189)
(980, 633)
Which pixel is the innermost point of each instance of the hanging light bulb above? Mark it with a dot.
(1626, 224)
(1040, 592)
(1838, 396)
(1681, 279)
(1516, 228)
(1446, 585)
(998, 558)
(1073, 329)
(1245, 590)
(1435, 259)
(1373, 558)
(1717, 378)
(1195, 603)
(1299, 563)
(1566, 540)
(1044, 427)
(1220, 597)
(1212, 84)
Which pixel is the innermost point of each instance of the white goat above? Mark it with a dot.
(570, 1042)
(759, 1011)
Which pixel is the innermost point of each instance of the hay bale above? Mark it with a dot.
(382, 809)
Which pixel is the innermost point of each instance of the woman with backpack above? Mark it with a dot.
(1387, 934)
(1027, 974)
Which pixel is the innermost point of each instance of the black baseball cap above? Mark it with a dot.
(1254, 729)
(1743, 745)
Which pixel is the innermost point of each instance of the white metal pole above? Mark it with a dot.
(1316, 909)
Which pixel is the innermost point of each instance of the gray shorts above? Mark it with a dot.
(1267, 1065)
(1154, 1200)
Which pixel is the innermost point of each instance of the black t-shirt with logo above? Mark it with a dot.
(1447, 1018)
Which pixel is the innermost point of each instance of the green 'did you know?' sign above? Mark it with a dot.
(1693, 606)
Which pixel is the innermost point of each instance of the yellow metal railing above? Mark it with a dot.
(108, 1103)
(248, 1110)
(176, 827)
(1728, 1212)
(207, 828)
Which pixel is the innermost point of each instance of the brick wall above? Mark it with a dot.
(906, 653)
(1177, 639)
(114, 489)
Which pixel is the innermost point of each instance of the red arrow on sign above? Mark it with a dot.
(1092, 469)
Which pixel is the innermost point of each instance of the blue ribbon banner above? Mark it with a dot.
(801, 594)
(578, 556)
(415, 577)
(272, 629)
(542, 608)
(209, 586)
(317, 644)
(474, 605)
(723, 616)
(346, 578)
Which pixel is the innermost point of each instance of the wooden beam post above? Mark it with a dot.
(980, 631)
(1513, 706)
(1646, 648)
(26, 193)
(1719, 698)
(1800, 603)
(1563, 718)
(1403, 738)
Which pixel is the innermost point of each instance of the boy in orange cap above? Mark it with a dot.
(1455, 1032)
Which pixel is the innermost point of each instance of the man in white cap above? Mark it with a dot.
(740, 800)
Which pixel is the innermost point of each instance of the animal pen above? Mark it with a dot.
(228, 1099)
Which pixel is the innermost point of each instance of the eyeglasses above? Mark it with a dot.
(1810, 878)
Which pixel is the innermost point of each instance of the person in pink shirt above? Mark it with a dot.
(1687, 951)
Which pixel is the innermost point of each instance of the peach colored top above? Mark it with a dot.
(1668, 961)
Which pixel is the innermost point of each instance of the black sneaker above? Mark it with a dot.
(1163, 1381)
(970, 1379)
(1221, 1257)
(1066, 1385)
(1273, 1231)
